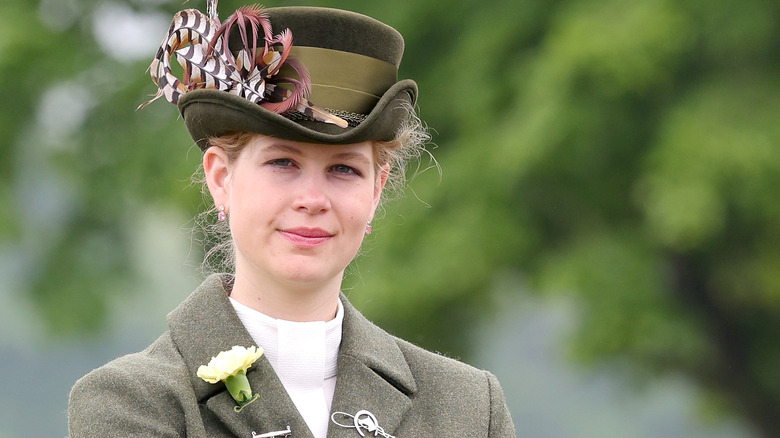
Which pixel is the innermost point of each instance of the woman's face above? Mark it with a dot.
(298, 211)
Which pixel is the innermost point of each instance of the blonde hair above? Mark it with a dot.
(407, 146)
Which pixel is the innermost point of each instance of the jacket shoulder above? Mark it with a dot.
(128, 392)
(448, 385)
(424, 362)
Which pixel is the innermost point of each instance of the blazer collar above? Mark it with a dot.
(372, 372)
(372, 375)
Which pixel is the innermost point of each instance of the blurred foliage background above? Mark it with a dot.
(619, 156)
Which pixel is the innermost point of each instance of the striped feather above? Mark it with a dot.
(199, 43)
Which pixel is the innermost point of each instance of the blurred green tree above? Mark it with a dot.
(622, 153)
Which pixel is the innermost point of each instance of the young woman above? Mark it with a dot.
(299, 143)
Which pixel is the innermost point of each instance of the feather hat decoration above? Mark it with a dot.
(246, 75)
(205, 50)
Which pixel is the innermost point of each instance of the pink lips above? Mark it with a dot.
(306, 237)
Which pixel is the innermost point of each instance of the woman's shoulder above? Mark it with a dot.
(152, 366)
(364, 336)
(128, 390)
(444, 384)
(425, 362)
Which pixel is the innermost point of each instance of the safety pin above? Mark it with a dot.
(284, 433)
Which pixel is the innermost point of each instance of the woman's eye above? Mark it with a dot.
(281, 162)
(344, 169)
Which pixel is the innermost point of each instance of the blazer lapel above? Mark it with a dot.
(201, 327)
(372, 376)
(272, 411)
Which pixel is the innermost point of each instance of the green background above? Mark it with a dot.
(604, 233)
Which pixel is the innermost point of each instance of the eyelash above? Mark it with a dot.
(349, 169)
(338, 168)
(278, 162)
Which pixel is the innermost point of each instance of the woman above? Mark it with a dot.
(299, 143)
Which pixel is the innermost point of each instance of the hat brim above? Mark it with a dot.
(213, 113)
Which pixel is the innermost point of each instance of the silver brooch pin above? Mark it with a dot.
(362, 420)
(285, 432)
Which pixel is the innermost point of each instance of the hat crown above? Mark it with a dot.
(352, 64)
(339, 30)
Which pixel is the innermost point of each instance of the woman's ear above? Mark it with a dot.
(379, 185)
(216, 170)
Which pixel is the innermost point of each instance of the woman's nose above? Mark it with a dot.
(311, 196)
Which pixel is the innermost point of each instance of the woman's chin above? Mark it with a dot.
(303, 279)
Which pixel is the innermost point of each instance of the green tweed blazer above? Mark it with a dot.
(156, 393)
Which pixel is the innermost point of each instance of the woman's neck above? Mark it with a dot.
(300, 303)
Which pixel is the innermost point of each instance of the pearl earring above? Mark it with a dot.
(368, 227)
(221, 214)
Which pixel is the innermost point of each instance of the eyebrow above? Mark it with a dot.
(352, 156)
(281, 147)
(349, 155)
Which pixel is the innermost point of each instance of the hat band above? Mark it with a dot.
(345, 81)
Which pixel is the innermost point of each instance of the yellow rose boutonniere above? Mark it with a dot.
(230, 367)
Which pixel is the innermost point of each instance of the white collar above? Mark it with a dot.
(303, 354)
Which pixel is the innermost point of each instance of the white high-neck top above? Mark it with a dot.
(304, 355)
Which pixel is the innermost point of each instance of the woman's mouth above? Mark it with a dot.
(306, 237)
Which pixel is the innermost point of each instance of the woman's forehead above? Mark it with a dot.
(266, 144)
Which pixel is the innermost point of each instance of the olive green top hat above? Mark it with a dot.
(352, 61)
